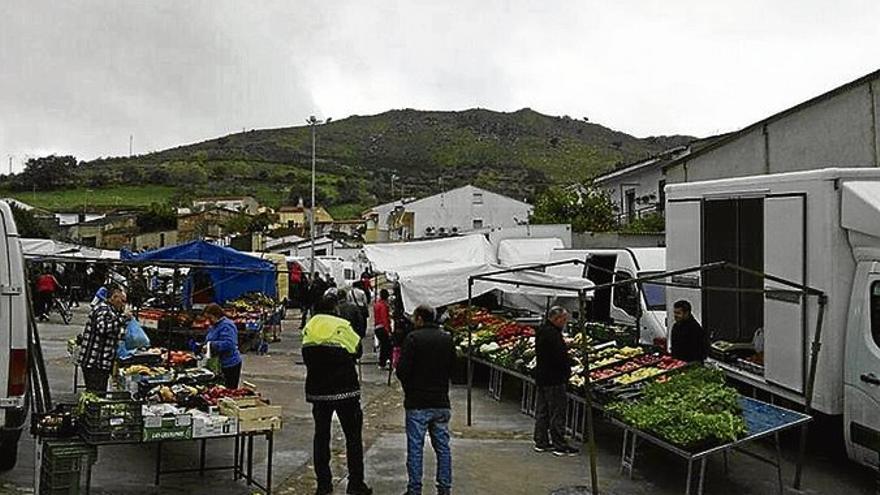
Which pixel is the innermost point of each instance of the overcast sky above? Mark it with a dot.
(79, 76)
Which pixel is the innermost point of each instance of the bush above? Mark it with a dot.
(585, 208)
(648, 223)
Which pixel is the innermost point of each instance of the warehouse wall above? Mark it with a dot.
(840, 131)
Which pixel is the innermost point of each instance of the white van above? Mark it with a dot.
(622, 304)
(13, 340)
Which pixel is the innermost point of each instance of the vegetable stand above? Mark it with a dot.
(762, 420)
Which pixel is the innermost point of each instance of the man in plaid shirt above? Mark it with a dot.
(105, 328)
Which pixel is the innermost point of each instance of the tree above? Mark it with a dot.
(649, 223)
(157, 217)
(28, 225)
(585, 208)
(47, 173)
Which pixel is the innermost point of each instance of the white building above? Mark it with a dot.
(457, 211)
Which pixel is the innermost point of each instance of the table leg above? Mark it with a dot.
(250, 459)
(687, 486)
(702, 476)
(623, 451)
(270, 439)
(202, 458)
(236, 469)
(778, 462)
(158, 462)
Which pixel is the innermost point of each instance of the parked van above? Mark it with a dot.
(629, 305)
(820, 228)
(13, 339)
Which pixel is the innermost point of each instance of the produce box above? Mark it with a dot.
(213, 425)
(64, 466)
(252, 413)
(158, 428)
(110, 417)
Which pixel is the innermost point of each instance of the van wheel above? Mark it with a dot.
(9, 449)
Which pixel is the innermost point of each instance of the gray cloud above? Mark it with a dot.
(80, 76)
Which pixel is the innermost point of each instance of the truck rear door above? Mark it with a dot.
(684, 250)
(862, 372)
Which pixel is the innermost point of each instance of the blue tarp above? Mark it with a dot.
(232, 272)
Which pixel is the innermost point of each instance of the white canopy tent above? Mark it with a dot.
(48, 248)
(437, 272)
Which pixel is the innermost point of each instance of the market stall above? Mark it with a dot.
(621, 380)
(162, 396)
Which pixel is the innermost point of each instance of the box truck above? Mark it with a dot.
(819, 228)
(628, 304)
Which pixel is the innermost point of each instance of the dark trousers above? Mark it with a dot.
(550, 408)
(43, 302)
(96, 380)
(305, 315)
(352, 420)
(231, 376)
(384, 345)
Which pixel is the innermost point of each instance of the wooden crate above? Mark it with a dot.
(248, 408)
(261, 424)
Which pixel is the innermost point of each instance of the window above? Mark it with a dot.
(478, 223)
(875, 312)
(625, 295)
(478, 198)
(655, 296)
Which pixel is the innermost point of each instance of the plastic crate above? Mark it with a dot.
(116, 418)
(65, 467)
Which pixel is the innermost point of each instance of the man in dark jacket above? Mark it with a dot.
(551, 377)
(330, 350)
(349, 312)
(688, 340)
(426, 361)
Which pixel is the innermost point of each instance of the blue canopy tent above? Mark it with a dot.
(232, 273)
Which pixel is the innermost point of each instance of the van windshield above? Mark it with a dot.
(655, 295)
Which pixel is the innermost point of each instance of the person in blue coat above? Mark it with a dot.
(223, 340)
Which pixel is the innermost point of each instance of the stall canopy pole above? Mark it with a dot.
(588, 396)
(815, 346)
(470, 364)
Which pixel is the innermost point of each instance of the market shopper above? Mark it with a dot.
(552, 373)
(350, 312)
(222, 339)
(330, 350)
(688, 340)
(47, 287)
(382, 327)
(100, 338)
(426, 361)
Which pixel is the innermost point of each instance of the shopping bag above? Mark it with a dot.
(135, 337)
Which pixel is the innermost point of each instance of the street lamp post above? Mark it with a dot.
(313, 122)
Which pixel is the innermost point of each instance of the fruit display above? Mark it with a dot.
(142, 370)
(692, 409)
(213, 395)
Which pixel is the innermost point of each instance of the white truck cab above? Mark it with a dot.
(621, 304)
(13, 339)
(820, 228)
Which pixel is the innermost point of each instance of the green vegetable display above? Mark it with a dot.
(692, 409)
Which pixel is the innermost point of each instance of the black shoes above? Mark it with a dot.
(543, 448)
(361, 489)
(324, 490)
(565, 451)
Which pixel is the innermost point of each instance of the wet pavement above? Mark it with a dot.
(493, 456)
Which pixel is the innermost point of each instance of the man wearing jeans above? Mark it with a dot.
(426, 361)
(551, 377)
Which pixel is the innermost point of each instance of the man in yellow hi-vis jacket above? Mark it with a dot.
(330, 350)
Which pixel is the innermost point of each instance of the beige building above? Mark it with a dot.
(153, 240)
(208, 224)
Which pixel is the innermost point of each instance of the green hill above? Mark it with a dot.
(517, 153)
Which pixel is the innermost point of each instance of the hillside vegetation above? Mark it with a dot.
(518, 154)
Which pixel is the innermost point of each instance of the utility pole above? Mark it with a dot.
(10, 165)
(130, 143)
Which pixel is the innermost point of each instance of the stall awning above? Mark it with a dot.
(399, 257)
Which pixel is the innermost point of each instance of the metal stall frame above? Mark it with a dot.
(802, 290)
